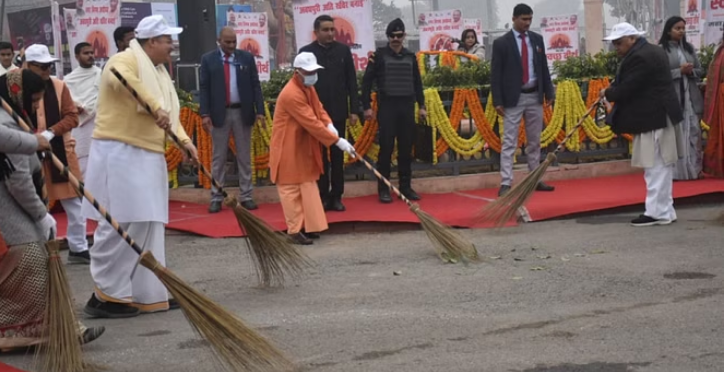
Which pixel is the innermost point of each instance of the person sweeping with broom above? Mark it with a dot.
(127, 173)
(299, 130)
(25, 223)
(646, 106)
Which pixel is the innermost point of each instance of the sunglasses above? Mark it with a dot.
(44, 67)
(397, 36)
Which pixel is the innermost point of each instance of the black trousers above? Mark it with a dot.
(333, 172)
(396, 117)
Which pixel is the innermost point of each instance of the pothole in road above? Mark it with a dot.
(684, 275)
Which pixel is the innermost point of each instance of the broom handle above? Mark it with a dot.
(575, 128)
(382, 178)
(173, 136)
(75, 183)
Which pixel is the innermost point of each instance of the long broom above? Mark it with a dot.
(238, 347)
(449, 245)
(273, 253)
(502, 209)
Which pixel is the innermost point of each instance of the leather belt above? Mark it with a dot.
(529, 90)
(234, 106)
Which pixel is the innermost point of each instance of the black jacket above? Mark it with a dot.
(506, 78)
(642, 92)
(337, 82)
(375, 70)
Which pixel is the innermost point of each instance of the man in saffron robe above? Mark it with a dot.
(301, 128)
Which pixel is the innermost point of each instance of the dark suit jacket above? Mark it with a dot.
(643, 93)
(506, 78)
(212, 83)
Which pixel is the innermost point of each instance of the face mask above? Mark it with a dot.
(310, 80)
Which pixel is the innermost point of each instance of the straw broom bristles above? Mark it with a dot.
(202, 313)
(61, 351)
(235, 344)
(502, 209)
(273, 255)
(448, 244)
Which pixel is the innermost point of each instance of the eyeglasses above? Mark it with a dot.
(397, 36)
(44, 67)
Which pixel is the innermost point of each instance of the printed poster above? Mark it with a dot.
(439, 30)
(94, 21)
(560, 35)
(714, 20)
(57, 38)
(693, 20)
(475, 24)
(32, 26)
(352, 20)
(223, 11)
(252, 35)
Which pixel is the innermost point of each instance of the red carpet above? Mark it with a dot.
(455, 209)
(7, 368)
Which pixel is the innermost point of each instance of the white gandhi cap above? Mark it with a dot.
(155, 26)
(622, 30)
(307, 62)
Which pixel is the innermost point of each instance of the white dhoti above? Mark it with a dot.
(657, 152)
(132, 184)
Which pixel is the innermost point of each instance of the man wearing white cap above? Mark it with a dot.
(55, 119)
(301, 127)
(127, 173)
(646, 107)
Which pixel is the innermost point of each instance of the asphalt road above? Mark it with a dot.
(586, 294)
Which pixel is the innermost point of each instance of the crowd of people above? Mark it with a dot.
(95, 126)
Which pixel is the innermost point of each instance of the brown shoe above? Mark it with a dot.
(301, 239)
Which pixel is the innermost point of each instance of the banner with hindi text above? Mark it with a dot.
(252, 35)
(440, 29)
(693, 23)
(714, 21)
(94, 22)
(352, 20)
(560, 35)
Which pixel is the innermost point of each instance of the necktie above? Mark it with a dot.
(524, 57)
(227, 78)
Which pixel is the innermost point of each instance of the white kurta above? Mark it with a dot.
(83, 86)
(130, 182)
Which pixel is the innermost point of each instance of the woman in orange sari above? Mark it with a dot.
(714, 115)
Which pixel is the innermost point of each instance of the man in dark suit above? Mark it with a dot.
(337, 89)
(519, 81)
(647, 107)
(231, 102)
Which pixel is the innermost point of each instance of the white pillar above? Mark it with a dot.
(593, 13)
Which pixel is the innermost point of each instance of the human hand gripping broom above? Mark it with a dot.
(449, 245)
(273, 254)
(237, 347)
(502, 209)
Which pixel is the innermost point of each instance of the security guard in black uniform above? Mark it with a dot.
(399, 86)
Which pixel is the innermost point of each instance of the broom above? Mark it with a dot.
(449, 245)
(273, 254)
(236, 345)
(502, 209)
(61, 352)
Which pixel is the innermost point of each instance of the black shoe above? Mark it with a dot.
(334, 204)
(301, 239)
(249, 205)
(544, 187)
(91, 334)
(215, 207)
(384, 195)
(79, 258)
(503, 190)
(112, 310)
(311, 235)
(173, 304)
(644, 220)
(409, 193)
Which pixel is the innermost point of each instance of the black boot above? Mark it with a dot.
(384, 193)
(406, 188)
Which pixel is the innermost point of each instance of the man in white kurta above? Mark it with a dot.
(83, 84)
(127, 173)
(7, 54)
